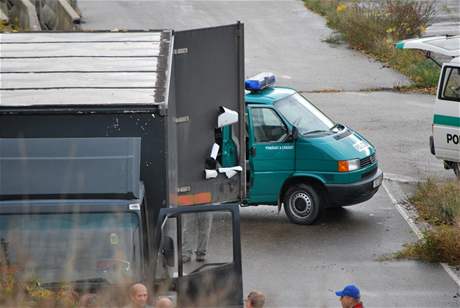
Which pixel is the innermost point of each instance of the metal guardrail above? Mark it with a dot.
(3, 11)
(23, 12)
(58, 14)
(35, 15)
(68, 18)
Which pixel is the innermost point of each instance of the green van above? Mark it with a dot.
(300, 158)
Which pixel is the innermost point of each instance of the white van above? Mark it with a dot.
(445, 141)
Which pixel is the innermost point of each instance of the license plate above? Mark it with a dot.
(377, 182)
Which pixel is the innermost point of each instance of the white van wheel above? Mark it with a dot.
(456, 167)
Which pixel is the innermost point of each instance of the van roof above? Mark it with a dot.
(455, 61)
(84, 68)
(268, 95)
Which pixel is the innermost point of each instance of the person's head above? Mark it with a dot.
(164, 302)
(138, 295)
(349, 296)
(88, 300)
(255, 299)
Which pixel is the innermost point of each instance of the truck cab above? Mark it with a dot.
(103, 246)
(445, 138)
(301, 158)
(74, 211)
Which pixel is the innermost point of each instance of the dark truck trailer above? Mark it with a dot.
(104, 136)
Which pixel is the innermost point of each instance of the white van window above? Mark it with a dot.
(451, 84)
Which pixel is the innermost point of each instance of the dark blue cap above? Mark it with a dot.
(350, 290)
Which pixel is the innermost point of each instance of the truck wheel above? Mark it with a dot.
(456, 167)
(301, 204)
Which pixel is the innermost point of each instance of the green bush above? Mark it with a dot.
(374, 26)
(422, 71)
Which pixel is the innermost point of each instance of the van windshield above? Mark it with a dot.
(303, 115)
(51, 248)
(451, 84)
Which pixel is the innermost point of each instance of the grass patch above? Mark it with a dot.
(14, 293)
(441, 244)
(8, 27)
(374, 26)
(438, 204)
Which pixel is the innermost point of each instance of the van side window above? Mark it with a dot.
(268, 126)
(451, 90)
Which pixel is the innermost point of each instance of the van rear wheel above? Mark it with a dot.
(302, 204)
(456, 167)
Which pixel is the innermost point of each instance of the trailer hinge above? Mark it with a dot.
(181, 51)
(184, 189)
(183, 119)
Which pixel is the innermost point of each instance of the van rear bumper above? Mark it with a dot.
(349, 194)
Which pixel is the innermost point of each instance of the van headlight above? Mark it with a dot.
(348, 165)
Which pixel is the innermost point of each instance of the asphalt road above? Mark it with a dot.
(300, 266)
(447, 19)
(281, 36)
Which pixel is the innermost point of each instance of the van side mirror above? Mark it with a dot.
(293, 134)
(167, 250)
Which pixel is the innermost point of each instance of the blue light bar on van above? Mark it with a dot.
(260, 81)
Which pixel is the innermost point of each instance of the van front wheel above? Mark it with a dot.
(302, 204)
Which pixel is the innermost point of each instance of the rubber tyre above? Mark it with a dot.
(302, 204)
(456, 167)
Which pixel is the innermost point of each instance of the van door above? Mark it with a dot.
(446, 119)
(445, 142)
(443, 45)
(271, 154)
(212, 276)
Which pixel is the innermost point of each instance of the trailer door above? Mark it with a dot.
(210, 236)
(208, 74)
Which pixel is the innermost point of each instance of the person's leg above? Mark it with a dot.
(204, 229)
(189, 229)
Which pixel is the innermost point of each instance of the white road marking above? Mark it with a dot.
(403, 213)
(419, 233)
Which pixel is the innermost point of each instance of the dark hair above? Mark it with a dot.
(256, 299)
